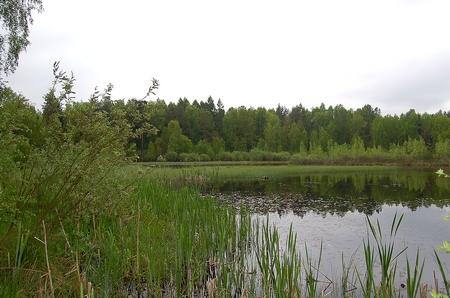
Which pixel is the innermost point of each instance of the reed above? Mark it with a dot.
(368, 286)
(413, 286)
(169, 241)
(383, 253)
(223, 170)
(348, 277)
(445, 281)
(17, 265)
(312, 272)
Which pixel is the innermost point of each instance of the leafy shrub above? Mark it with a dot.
(203, 147)
(282, 156)
(257, 155)
(225, 156)
(68, 170)
(204, 157)
(184, 157)
(240, 156)
(171, 156)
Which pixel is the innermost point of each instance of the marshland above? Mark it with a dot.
(223, 231)
(107, 196)
(112, 199)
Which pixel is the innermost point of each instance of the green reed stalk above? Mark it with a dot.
(22, 240)
(368, 286)
(292, 265)
(386, 254)
(443, 275)
(345, 280)
(413, 280)
(312, 272)
(263, 256)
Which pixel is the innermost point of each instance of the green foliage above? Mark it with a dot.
(239, 156)
(323, 135)
(224, 156)
(272, 132)
(171, 156)
(59, 164)
(445, 247)
(203, 147)
(257, 155)
(16, 18)
(178, 142)
(442, 150)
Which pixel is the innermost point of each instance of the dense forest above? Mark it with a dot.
(204, 131)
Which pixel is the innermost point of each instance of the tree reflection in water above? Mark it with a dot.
(336, 194)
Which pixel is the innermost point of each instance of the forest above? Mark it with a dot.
(204, 131)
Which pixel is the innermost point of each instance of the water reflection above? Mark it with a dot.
(336, 194)
(331, 210)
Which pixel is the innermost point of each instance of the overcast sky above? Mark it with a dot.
(394, 55)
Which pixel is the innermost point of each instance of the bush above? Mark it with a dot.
(184, 157)
(257, 155)
(282, 156)
(194, 157)
(224, 156)
(203, 147)
(68, 171)
(240, 156)
(204, 157)
(171, 156)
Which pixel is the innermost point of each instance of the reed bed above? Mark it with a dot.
(171, 242)
(222, 170)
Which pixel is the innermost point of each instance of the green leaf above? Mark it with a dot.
(437, 295)
(440, 172)
(445, 246)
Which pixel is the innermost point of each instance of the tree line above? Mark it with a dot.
(205, 131)
(185, 131)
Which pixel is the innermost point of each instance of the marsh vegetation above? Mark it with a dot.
(183, 234)
(79, 218)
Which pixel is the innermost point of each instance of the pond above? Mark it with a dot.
(331, 211)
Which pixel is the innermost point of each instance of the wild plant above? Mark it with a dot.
(312, 272)
(386, 256)
(279, 267)
(413, 286)
(368, 285)
(445, 247)
(348, 277)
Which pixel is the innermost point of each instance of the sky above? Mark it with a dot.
(394, 55)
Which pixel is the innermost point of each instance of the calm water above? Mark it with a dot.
(331, 209)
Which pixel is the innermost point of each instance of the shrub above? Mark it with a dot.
(282, 156)
(224, 156)
(204, 157)
(184, 157)
(171, 156)
(257, 155)
(203, 147)
(68, 171)
(240, 156)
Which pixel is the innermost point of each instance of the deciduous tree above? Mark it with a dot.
(15, 16)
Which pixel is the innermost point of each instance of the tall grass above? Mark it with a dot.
(171, 242)
(383, 253)
(225, 170)
(444, 275)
